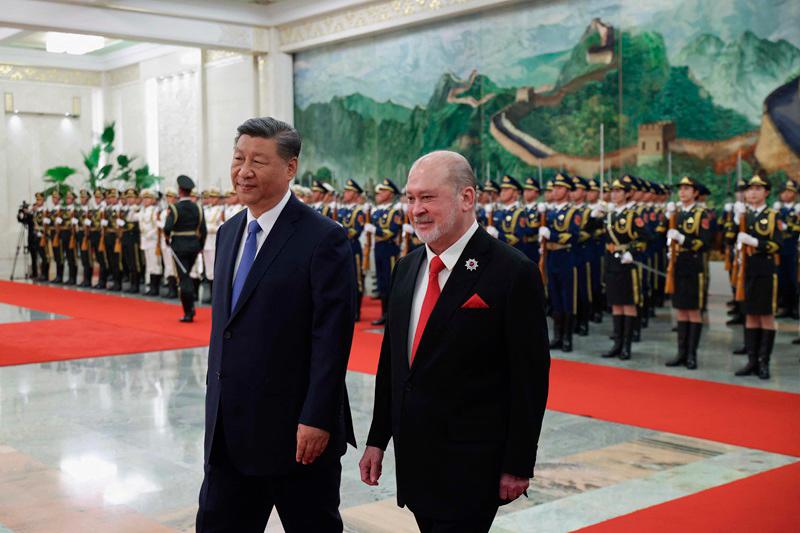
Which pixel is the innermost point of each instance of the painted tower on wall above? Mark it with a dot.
(525, 90)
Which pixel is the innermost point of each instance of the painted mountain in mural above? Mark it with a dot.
(740, 74)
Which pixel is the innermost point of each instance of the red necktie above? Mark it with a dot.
(431, 295)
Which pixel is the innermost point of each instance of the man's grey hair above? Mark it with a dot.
(286, 137)
(460, 171)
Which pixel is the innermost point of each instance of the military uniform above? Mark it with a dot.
(54, 230)
(83, 237)
(113, 223)
(215, 216)
(131, 235)
(387, 221)
(534, 213)
(596, 244)
(150, 243)
(353, 217)
(170, 194)
(511, 220)
(789, 214)
(39, 212)
(185, 233)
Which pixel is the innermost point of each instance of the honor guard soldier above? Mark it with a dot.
(558, 235)
(232, 205)
(688, 239)
(481, 198)
(97, 237)
(170, 198)
(25, 217)
(39, 210)
(535, 212)
(625, 227)
(113, 222)
(329, 201)
(69, 236)
(488, 203)
(597, 212)
(788, 209)
(83, 236)
(130, 239)
(353, 217)
(317, 196)
(185, 234)
(214, 213)
(54, 229)
(150, 241)
(509, 220)
(386, 225)
(730, 232)
(760, 247)
(581, 252)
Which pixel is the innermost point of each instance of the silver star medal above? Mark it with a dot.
(471, 264)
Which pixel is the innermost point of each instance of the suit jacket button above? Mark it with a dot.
(227, 335)
(408, 387)
(219, 375)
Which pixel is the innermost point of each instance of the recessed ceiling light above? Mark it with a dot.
(73, 43)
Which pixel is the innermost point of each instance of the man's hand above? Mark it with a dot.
(511, 487)
(370, 465)
(311, 442)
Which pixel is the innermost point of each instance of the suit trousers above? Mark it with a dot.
(307, 499)
(478, 522)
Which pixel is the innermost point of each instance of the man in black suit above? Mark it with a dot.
(283, 307)
(185, 233)
(463, 373)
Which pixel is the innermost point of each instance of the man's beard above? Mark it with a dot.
(438, 230)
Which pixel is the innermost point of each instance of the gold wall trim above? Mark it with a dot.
(51, 75)
(394, 11)
(212, 56)
(118, 76)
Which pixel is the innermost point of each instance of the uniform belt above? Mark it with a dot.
(185, 234)
(611, 247)
(529, 239)
(556, 246)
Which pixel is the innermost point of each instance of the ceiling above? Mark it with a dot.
(35, 40)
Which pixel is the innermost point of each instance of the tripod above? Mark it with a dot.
(21, 244)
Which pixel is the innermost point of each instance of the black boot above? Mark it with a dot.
(627, 337)
(566, 340)
(752, 338)
(59, 279)
(172, 287)
(196, 285)
(558, 331)
(618, 326)
(695, 329)
(765, 351)
(636, 331)
(155, 282)
(382, 320)
(683, 345)
(117, 286)
(134, 288)
(187, 300)
(207, 295)
(87, 277)
(73, 274)
(101, 282)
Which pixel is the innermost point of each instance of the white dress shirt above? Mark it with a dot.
(450, 259)
(266, 221)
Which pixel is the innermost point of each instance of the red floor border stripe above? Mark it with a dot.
(766, 502)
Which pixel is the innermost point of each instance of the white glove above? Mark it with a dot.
(626, 258)
(777, 206)
(596, 213)
(408, 229)
(544, 232)
(87, 222)
(104, 222)
(797, 209)
(728, 207)
(746, 238)
(370, 228)
(675, 235)
(160, 224)
(59, 220)
(541, 208)
(120, 223)
(74, 221)
(739, 208)
(491, 230)
(670, 208)
(46, 220)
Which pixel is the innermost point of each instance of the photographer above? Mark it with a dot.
(25, 217)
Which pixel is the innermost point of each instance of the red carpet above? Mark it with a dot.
(766, 502)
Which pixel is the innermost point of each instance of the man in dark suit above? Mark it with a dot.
(283, 306)
(185, 233)
(463, 372)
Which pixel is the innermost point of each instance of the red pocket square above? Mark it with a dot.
(475, 302)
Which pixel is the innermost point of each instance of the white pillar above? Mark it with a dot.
(276, 76)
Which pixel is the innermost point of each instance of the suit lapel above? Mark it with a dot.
(231, 248)
(456, 291)
(402, 297)
(280, 233)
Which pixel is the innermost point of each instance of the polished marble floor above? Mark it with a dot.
(115, 443)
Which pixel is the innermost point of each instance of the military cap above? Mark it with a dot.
(387, 185)
(563, 180)
(690, 181)
(549, 186)
(491, 186)
(532, 184)
(741, 184)
(328, 187)
(56, 192)
(185, 182)
(509, 182)
(39, 196)
(229, 192)
(758, 180)
(112, 193)
(352, 185)
(790, 185)
(130, 192)
(70, 192)
(594, 184)
(626, 183)
(170, 191)
(148, 193)
(579, 183)
(318, 186)
(703, 190)
(214, 192)
(479, 187)
(99, 192)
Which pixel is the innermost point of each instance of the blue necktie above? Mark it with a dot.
(249, 255)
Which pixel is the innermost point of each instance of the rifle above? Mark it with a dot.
(543, 255)
(742, 260)
(118, 231)
(57, 231)
(669, 285)
(367, 244)
(72, 235)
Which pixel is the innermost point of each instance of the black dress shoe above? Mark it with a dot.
(381, 321)
(187, 318)
(735, 321)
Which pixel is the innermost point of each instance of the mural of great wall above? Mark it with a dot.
(659, 106)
